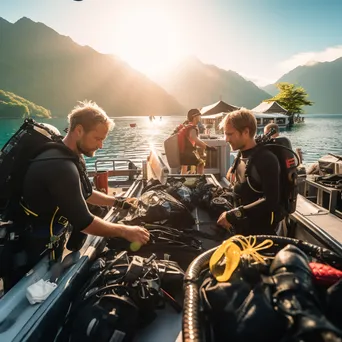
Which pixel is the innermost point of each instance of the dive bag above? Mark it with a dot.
(288, 161)
(16, 154)
(28, 142)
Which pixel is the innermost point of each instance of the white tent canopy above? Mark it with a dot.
(269, 108)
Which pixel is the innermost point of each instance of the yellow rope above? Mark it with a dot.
(231, 253)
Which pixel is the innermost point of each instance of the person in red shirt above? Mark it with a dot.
(189, 141)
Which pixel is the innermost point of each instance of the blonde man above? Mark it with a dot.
(256, 187)
(56, 188)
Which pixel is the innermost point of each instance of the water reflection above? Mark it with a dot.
(134, 143)
(318, 136)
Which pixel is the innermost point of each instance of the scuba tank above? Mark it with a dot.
(288, 162)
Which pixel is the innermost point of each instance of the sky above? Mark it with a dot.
(259, 39)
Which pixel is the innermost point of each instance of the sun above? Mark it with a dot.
(148, 40)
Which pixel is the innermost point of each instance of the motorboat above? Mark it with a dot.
(21, 321)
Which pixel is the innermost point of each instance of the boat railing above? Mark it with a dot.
(324, 196)
(119, 167)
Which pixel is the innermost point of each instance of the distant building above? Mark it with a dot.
(264, 113)
(218, 107)
(269, 108)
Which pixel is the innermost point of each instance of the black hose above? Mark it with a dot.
(321, 253)
(191, 319)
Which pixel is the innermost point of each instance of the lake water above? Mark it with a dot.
(319, 135)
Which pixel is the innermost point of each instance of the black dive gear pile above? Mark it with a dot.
(171, 204)
(192, 192)
(175, 187)
(158, 206)
(175, 232)
(122, 295)
(182, 246)
(331, 181)
(276, 301)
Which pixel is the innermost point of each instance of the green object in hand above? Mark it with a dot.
(135, 246)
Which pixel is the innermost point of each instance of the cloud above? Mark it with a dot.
(276, 71)
(310, 58)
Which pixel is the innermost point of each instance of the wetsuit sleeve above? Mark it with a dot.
(63, 183)
(268, 168)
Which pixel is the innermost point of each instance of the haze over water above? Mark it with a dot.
(318, 136)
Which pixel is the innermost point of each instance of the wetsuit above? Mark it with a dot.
(264, 177)
(52, 189)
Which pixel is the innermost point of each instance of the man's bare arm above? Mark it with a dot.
(100, 198)
(103, 228)
(193, 136)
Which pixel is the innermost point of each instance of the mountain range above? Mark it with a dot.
(195, 84)
(53, 71)
(323, 83)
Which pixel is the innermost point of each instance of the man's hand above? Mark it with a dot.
(222, 221)
(136, 234)
(131, 199)
(124, 203)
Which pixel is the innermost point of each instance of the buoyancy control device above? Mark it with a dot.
(31, 139)
(288, 161)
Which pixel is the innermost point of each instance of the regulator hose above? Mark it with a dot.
(321, 253)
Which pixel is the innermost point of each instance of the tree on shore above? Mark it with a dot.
(292, 98)
(17, 107)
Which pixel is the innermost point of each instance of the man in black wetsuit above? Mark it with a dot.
(56, 188)
(256, 193)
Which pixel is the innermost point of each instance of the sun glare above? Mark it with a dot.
(148, 40)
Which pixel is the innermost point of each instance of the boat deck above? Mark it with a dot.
(21, 321)
(168, 320)
(317, 225)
